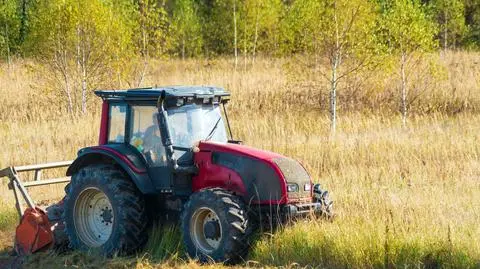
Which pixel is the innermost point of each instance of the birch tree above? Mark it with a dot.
(153, 28)
(342, 33)
(408, 32)
(78, 50)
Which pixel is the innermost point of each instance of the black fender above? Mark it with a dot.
(122, 155)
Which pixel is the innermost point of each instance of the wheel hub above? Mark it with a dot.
(211, 229)
(106, 215)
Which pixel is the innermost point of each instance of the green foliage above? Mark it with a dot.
(449, 15)
(151, 34)
(80, 50)
(187, 28)
(191, 28)
(9, 27)
(260, 24)
(217, 20)
(317, 26)
(407, 28)
(298, 27)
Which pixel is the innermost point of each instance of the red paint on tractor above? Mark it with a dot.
(215, 176)
(211, 175)
(103, 137)
(238, 149)
(123, 158)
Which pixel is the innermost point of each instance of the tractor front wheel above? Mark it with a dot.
(215, 226)
(104, 211)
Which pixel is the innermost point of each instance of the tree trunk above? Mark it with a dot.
(183, 48)
(68, 90)
(256, 38)
(333, 97)
(335, 63)
(8, 45)
(245, 47)
(235, 32)
(69, 94)
(144, 52)
(404, 89)
(445, 30)
(84, 82)
(23, 21)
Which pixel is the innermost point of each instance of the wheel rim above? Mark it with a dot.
(206, 230)
(93, 217)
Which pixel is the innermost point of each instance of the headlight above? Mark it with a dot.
(292, 187)
(307, 187)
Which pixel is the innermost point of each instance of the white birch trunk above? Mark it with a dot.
(404, 89)
(333, 96)
(84, 82)
(8, 45)
(245, 47)
(145, 55)
(256, 37)
(183, 48)
(235, 32)
(445, 30)
(68, 91)
(335, 62)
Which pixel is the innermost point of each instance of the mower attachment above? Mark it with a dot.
(35, 232)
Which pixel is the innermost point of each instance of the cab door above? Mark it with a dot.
(144, 135)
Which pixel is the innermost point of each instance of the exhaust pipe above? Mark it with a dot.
(162, 118)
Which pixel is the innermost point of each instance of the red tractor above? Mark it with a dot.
(165, 153)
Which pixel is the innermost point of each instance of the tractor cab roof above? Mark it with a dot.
(187, 93)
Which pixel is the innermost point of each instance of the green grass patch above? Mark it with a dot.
(165, 244)
(8, 218)
(329, 245)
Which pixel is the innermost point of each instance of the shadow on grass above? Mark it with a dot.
(163, 247)
(316, 247)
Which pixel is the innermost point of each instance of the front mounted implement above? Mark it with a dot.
(38, 228)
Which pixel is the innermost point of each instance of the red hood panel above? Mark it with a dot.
(241, 149)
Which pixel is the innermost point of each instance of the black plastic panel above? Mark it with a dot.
(260, 180)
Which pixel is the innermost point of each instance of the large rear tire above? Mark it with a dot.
(215, 226)
(104, 212)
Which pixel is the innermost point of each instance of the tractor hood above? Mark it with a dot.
(261, 171)
(239, 149)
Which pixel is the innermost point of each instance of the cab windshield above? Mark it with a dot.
(191, 123)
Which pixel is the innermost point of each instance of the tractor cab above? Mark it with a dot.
(162, 125)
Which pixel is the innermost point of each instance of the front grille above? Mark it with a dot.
(294, 172)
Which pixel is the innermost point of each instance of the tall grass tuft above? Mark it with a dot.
(164, 244)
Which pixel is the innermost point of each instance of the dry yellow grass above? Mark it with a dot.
(405, 197)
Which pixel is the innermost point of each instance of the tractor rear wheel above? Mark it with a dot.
(104, 211)
(215, 226)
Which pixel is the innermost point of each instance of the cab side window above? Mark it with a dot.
(145, 134)
(116, 123)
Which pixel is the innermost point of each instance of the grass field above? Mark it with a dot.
(404, 197)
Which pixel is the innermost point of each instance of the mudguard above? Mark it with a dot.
(121, 154)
